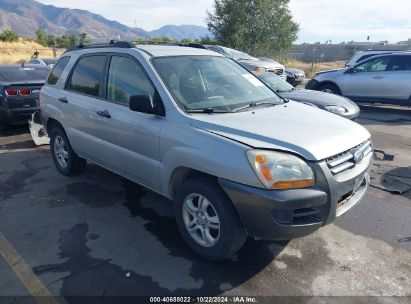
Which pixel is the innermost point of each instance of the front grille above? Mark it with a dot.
(348, 159)
(277, 71)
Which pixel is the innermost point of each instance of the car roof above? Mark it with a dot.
(379, 51)
(172, 50)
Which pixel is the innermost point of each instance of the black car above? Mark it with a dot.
(295, 77)
(19, 92)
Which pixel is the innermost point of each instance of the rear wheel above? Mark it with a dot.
(207, 219)
(330, 88)
(65, 160)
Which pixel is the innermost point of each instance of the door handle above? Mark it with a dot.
(63, 99)
(104, 113)
(378, 77)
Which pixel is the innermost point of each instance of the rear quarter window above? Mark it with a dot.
(58, 70)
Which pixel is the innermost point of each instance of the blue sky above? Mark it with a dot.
(320, 20)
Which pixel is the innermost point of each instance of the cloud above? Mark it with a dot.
(320, 20)
(347, 20)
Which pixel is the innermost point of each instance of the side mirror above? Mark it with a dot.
(349, 71)
(147, 104)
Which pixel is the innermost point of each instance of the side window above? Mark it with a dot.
(88, 74)
(397, 63)
(362, 58)
(126, 78)
(58, 70)
(373, 65)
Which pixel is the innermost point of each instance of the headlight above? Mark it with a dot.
(336, 109)
(259, 70)
(277, 170)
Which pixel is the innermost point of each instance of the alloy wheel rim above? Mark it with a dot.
(201, 220)
(60, 151)
(328, 91)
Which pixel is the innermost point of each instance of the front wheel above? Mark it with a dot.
(66, 161)
(207, 219)
(329, 88)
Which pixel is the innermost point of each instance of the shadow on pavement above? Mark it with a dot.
(400, 115)
(88, 275)
(15, 130)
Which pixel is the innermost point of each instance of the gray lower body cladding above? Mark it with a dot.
(288, 214)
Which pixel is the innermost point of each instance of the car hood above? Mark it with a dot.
(268, 64)
(312, 133)
(320, 99)
(342, 70)
(295, 71)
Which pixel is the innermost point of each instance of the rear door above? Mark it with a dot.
(366, 79)
(397, 79)
(128, 140)
(81, 101)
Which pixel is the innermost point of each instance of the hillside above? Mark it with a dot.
(181, 32)
(26, 16)
(17, 52)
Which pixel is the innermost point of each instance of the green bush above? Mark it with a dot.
(9, 36)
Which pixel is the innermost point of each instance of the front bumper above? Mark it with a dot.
(288, 214)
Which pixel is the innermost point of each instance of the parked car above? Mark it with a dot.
(383, 78)
(201, 130)
(19, 92)
(295, 77)
(250, 63)
(332, 103)
(362, 55)
(48, 62)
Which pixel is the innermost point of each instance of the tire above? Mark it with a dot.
(60, 143)
(330, 88)
(230, 235)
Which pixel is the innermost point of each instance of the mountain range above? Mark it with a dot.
(26, 16)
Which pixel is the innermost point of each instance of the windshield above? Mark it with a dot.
(23, 74)
(203, 82)
(275, 82)
(237, 55)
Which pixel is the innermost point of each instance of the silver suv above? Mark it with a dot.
(236, 159)
(382, 78)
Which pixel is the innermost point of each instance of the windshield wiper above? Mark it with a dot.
(207, 111)
(255, 104)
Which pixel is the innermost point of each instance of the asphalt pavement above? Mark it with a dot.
(98, 235)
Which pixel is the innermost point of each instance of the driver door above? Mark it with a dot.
(366, 79)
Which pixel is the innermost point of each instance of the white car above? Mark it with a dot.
(48, 62)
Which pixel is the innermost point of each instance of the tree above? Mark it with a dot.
(260, 27)
(9, 36)
(45, 39)
(83, 38)
(65, 41)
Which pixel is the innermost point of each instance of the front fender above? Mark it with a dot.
(206, 152)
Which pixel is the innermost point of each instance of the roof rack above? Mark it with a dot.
(149, 42)
(111, 43)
